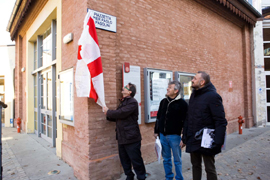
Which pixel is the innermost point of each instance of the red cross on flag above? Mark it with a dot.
(89, 73)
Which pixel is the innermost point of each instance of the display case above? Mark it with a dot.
(133, 75)
(66, 92)
(155, 88)
(185, 80)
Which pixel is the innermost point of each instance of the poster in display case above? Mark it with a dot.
(185, 80)
(155, 88)
(66, 95)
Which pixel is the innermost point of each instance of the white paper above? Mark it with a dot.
(207, 138)
(158, 149)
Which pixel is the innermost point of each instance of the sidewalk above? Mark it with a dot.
(28, 157)
(246, 157)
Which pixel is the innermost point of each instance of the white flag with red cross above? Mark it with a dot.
(89, 73)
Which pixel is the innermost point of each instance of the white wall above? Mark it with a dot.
(7, 65)
(259, 81)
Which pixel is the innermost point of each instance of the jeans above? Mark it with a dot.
(209, 163)
(171, 142)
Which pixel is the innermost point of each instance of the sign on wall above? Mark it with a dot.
(133, 75)
(104, 21)
(155, 88)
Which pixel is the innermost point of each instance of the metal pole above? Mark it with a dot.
(2, 105)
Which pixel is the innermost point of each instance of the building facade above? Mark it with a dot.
(261, 68)
(7, 67)
(266, 53)
(172, 36)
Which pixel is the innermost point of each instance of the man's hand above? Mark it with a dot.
(182, 145)
(156, 135)
(105, 109)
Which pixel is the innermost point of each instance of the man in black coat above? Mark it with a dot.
(205, 111)
(170, 119)
(128, 133)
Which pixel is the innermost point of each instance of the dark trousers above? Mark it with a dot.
(131, 154)
(209, 163)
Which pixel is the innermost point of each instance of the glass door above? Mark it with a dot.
(46, 113)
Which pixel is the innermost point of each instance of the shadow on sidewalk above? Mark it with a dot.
(26, 156)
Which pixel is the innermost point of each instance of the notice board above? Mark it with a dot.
(155, 88)
(134, 77)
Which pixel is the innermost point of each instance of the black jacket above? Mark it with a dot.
(126, 117)
(171, 116)
(205, 110)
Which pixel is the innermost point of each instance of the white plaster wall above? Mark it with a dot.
(7, 65)
(259, 93)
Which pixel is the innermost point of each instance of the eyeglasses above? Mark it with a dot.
(126, 88)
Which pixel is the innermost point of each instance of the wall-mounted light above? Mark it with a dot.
(23, 69)
(68, 38)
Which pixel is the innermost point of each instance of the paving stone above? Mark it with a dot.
(14, 167)
(247, 161)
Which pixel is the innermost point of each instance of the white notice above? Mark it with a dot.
(208, 138)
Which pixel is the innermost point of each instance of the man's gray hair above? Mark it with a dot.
(205, 76)
(177, 85)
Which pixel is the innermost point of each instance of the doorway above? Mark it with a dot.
(45, 104)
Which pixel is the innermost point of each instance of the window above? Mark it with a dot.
(266, 34)
(35, 91)
(267, 64)
(35, 56)
(266, 49)
(47, 47)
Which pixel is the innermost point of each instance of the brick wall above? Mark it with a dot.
(18, 78)
(172, 35)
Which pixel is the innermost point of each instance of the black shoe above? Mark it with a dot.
(130, 178)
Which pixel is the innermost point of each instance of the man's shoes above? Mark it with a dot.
(130, 178)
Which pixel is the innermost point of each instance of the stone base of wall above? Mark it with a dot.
(106, 168)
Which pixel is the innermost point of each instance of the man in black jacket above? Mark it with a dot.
(205, 111)
(128, 133)
(170, 118)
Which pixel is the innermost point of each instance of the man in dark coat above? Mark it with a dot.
(170, 119)
(128, 133)
(205, 111)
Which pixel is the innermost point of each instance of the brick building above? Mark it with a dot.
(179, 36)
